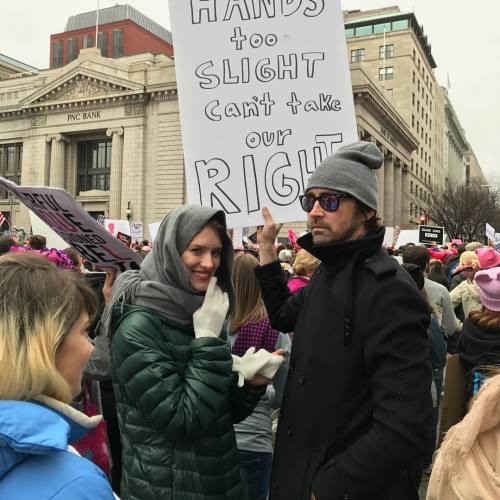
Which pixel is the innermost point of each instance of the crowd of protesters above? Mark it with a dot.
(194, 358)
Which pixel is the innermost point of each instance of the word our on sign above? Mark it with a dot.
(62, 213)
(263, 100)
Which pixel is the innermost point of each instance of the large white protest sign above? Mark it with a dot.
(39, 227)
(264, 94)
(60, 211)
(115, 226)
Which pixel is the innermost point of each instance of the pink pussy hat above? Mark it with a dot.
(488, 257)
(488, 282)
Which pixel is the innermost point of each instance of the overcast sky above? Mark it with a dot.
(465, 44)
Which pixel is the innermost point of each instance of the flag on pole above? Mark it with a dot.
(3, 220)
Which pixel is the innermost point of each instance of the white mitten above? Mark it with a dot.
(209, 318)
(255, 362)
(271, 367)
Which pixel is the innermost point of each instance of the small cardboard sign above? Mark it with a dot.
(136, 231)
(124, 238)
(431, 234)
(490, 232)
(61, 212)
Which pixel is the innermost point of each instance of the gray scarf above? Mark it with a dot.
(162, 283)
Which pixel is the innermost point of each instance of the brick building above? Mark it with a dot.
(122, 31)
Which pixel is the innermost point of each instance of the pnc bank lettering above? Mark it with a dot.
(84, 115)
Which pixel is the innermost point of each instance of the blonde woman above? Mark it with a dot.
(303, 268)
(250, 328)
(44, 315)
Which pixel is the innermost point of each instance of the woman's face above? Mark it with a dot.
(202, 258)
(74, 353)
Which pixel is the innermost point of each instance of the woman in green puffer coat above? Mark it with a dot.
(176, 394)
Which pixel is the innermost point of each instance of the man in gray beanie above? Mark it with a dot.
(357, 403)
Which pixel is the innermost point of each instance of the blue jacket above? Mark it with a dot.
(35, 463)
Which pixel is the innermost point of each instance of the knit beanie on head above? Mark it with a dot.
(488, 282)
(488, 257)
(351, 170)
(473, 245)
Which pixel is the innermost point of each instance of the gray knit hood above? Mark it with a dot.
(162, 283)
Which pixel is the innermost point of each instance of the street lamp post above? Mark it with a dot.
(128, 211)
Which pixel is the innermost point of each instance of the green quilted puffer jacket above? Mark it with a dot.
(177, 402)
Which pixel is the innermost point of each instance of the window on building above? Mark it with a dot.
(88, 41)
(357, 55)
(400, 25)
(413, 98)
(364, 30)
(94, 165)
(413, 55)
(380, 28)
(349, 32)
(118, 43)
(418, 85)
(386, 73)
(429, 178)
(430, 124)
(418, 127)
(411, 209)
(386, 51)
(57, 53)
(11, 156)
(411, 187)
(414, 77)
(72, 48)
(429, 147)
(413, 120)
(102, 43)
(418, 105)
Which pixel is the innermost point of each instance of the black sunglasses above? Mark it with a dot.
(329, 202)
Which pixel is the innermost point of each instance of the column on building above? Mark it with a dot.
(398, 192)
(405, 212)
(380, 173)
(115, 198)
(57, 160)
(389, 190)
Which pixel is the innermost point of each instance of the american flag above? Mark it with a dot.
(3, 219)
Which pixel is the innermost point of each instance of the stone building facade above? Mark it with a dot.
(392, 48)
(106, 130)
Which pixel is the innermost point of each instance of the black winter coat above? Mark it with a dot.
(357, 403)
(478, 347)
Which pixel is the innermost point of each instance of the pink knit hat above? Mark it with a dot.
(488, 257)
(488, 282)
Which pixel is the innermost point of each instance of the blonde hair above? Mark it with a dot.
(249, 305)
(305, 264)
(39, 303)
(469, 259)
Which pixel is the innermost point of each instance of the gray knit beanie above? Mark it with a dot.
(350, 170)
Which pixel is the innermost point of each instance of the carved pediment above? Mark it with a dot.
(82, 84)
(81, 87)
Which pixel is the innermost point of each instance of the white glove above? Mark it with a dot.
(252, 362)
(209, 318)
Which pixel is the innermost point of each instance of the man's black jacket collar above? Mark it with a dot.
(339, 254)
